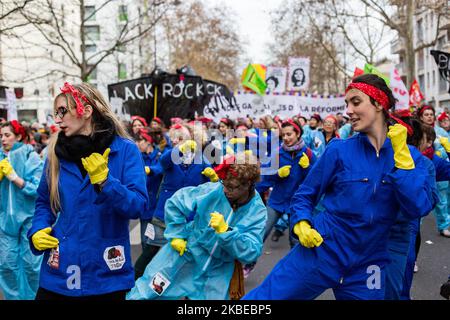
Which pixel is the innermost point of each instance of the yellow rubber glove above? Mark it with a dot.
(218, 222)
(304, 161)
(402, 157)
(147, 170)
(1, 169)
(8, 170)
(237, 140)
(188, 145)
(179, 245)
(445, 143)
(96, 166)
(284, 171)
(248, 152)
(42, 240)
(308, 237)
(438, 153)
(211, 174)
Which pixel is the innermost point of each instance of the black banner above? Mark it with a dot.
(177, 96)
(443, 62)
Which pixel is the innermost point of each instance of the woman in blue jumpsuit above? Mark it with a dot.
(228, 225)
(93, 184)
(153, 170)
(20, 171)
(366, 180)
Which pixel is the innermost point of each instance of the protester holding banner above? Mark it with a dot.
(204, 256)
(20, 171)
(366, 180)
(93, 184)
(426, 114)
(183, 166)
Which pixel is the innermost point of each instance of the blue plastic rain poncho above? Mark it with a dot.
(363, 194)
(204, 271)
(19, 268)
(92, 227)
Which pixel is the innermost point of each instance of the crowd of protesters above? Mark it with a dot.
(209, 193)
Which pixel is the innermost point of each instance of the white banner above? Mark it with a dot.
(399, 90)
(285, 106)
(298, 77)
(276, 79)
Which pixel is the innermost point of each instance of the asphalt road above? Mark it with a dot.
(433, 261)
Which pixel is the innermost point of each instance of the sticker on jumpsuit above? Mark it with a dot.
(150, 231)
(114, 257)
(159, 284)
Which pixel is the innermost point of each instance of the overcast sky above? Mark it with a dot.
(253, 17)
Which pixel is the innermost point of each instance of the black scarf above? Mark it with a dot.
(75, 147)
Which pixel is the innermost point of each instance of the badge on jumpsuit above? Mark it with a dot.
(53, 259)
(159, 284)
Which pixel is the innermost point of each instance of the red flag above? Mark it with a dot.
(357, 72)
(415, 95)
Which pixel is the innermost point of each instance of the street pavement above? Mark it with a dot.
(433, 261)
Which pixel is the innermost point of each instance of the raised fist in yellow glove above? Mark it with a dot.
(218, 222)
(445, 143)
(284, 171)
(402, 157)
(211, 174)
(308, 237)
(96, 166)
(188, 146)
(179, 245)
(42, 240)
(7, 170)
(304, 161)
(237, 140)
(147, 170)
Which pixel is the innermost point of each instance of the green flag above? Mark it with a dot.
(368, 68)
(252, 80)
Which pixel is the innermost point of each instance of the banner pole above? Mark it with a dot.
(155, 103)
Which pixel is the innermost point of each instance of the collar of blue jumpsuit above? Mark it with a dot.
(365, 139)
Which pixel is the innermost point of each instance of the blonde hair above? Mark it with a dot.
(99, 104)
(199, 134)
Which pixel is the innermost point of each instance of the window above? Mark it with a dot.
(92, 76)
(419, 31)
(440, 42)
(92, 33)
(421, 59)
(123, 15)
(90, 48)
(89, 13)
(442, 85)
(421, 82)
(122, 71)
(121, 48)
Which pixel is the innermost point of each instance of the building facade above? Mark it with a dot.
(30, 62)
(432, 85)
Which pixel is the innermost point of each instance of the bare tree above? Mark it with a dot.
(72, 36)
(205, 39)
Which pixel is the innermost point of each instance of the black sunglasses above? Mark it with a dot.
(61, 112)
